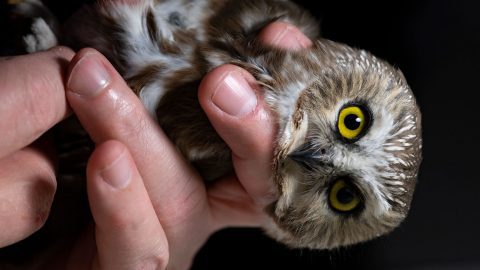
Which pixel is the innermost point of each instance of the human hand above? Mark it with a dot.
(33, 100)
(151, 209)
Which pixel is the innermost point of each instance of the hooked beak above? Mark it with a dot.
(308, 155)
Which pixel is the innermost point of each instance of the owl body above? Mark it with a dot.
(348, 147)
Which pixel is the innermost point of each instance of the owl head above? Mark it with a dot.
(350, 147)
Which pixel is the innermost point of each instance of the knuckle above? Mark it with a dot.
(124, 221)
(158, 260)
(25, 207)
(121, 222)
(43, 192)
(133, 125)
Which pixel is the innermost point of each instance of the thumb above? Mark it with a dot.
(229, 97)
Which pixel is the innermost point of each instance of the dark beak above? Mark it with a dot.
(308, 155)
(301, 156)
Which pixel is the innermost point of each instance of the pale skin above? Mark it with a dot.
(151, 209)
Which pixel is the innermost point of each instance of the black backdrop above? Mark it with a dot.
(436, 44)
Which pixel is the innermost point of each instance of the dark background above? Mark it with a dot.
(436, 44)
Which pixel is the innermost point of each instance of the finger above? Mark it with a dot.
(232, 206)
(108, 110)
(230, 99)
(128, 233)
(33, 96)
(26, 194)
(283, 35)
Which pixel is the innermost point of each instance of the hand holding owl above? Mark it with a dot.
(119, 170)
(169, 191)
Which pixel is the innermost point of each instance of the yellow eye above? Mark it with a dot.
(343, 196)
(352, 120)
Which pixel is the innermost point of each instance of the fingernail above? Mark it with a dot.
(234, 95)
(88, 76)
(118, 173)
(291, 38)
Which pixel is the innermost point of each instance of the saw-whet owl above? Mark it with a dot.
(348, 147)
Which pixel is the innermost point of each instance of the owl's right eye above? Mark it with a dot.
(353, 120)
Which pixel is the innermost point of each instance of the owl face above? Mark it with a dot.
(350, 173)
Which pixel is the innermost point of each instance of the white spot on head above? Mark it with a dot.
(42, 37)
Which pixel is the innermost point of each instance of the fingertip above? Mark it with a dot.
(81, 54)
(89, 73)
(228, 90)
(108, 173)
(62, 51)
(212, 79)
(284, 36)
(128, 233)
(111, 163)
(106, 152)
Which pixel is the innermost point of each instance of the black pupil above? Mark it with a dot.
(352, 121)
(345, 195)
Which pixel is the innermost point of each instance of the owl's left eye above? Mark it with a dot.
(353, 121)
(344, 197)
